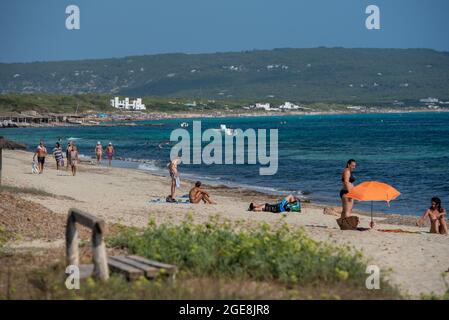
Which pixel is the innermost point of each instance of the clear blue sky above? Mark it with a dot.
(33, 30)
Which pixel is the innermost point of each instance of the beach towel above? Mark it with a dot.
(178, 200)
(398, 231)
(178, 182)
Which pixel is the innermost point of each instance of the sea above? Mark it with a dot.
(409, 151)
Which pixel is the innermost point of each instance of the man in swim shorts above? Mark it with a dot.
(41, 153)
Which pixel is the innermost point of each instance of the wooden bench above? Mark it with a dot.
(131, 266)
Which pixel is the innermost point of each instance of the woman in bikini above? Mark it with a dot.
(437, 216)
(347, 179)
(110, 152)
(99, 152)
(347, 221)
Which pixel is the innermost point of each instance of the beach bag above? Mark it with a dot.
(295, 206)
(349, 223)
(61, 163)
(34, 168)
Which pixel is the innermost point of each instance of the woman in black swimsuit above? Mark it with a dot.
(347, 179)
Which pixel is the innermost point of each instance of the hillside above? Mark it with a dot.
(302, 75)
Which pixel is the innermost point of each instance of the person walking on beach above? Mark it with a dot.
(174, 175)
(437, 216)
(110, 152)
(347, 221)
(41, 153)
(197, 194)
(73, 158)
(99, 152)
(67, 153)
(57, 153)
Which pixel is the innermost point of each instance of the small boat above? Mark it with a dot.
(227, 131)
(184, 125)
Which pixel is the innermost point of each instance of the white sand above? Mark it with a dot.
(416, 261)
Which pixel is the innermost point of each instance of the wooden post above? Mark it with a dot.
(100, 259)
(71, 237)
(1, 156)
(101, 270)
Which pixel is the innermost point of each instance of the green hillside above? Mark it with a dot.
(301, 75)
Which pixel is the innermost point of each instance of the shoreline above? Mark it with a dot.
(137, 121)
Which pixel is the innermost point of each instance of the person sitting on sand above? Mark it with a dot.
(197, 194)
(285, 205)
(437, 216)
(110, 152)
(41, 153)
(73, 158)
(174, 175)
(57, 153)
(99, 152)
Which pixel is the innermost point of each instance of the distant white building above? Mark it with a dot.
(127, 105)
(265, 106)
(289, 106)
(429, 100)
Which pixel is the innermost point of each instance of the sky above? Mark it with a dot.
(35, 30)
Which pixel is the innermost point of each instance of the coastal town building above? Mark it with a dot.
(126, 104)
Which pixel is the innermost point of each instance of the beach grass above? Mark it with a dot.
(224, 249)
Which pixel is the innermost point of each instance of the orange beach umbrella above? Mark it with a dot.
(373, 191)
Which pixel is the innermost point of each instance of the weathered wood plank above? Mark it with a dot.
(171, 269)
(86, 270)
(130, 272)
(150, 271)
(88, 220)
(99, 256)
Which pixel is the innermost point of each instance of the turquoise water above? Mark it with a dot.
(409, 151)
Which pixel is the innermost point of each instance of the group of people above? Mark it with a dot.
(109, 150)
(436, 213)
(71, 155)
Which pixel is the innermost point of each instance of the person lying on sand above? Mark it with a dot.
(289, 203)
(197, 194)
(437, 216)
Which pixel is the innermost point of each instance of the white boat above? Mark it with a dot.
(184, 125)
(227, 131)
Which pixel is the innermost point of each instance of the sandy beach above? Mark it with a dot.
(414, 261)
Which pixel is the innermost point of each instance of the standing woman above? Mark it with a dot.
(110, 152)
(347, 221)
(73, 158)
(99, 152)
(67, 153)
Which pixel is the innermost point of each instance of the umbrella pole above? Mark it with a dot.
(371, 214)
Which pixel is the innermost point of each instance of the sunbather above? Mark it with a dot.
(437, 216)
(283, 206)
(197, 194)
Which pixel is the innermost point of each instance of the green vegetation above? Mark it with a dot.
(262, 253)
(217, 260)
(337, 75)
